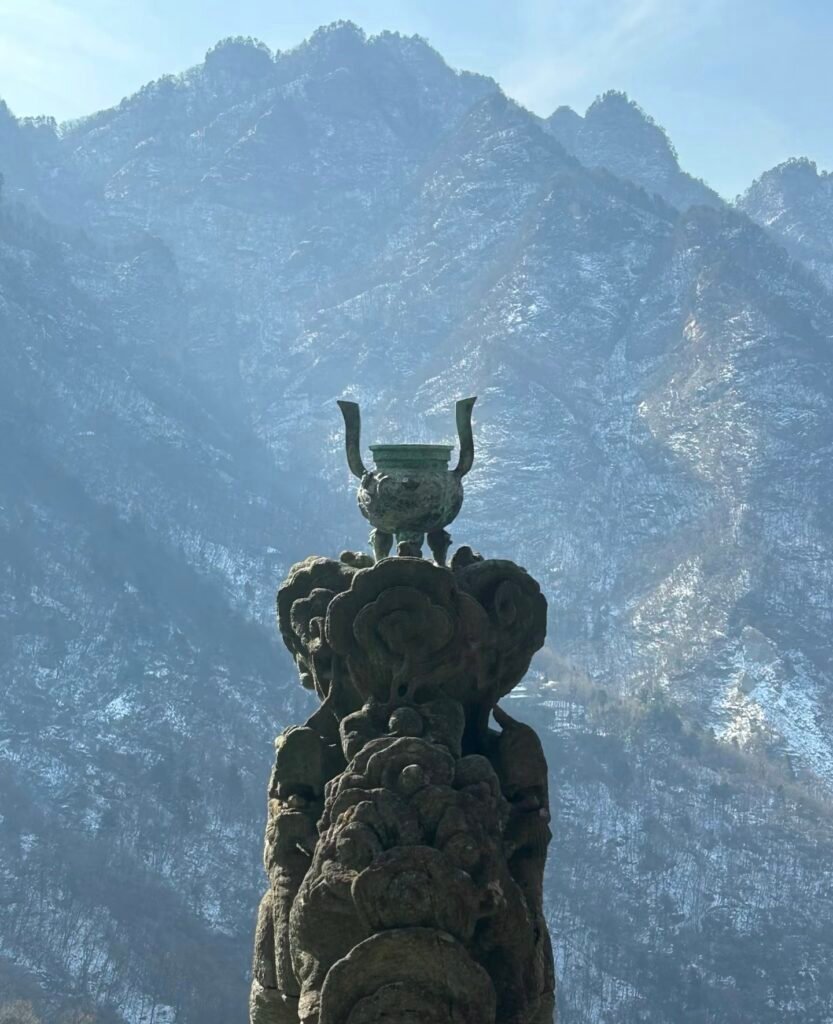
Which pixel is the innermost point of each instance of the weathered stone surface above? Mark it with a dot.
(406, 839)
(268, 1006)
(413, 975)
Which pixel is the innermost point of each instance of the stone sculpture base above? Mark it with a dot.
(406, 838)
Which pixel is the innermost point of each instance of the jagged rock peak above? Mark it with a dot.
(40, 125)
(618, 135)
(340, 38)
(798, 174)
(346, 42)
(241, 55)
(566, 125)
(616, 104)
(624, 122)
(794, 200)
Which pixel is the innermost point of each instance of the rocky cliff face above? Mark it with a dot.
(795, 202)
(187, 283)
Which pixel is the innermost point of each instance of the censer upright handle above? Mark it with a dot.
(352, 437)
(464, 408)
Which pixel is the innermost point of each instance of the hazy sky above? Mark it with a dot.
(740, 85)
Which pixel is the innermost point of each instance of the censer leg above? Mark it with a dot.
(439, 541)
(381, 543)
(409, 545)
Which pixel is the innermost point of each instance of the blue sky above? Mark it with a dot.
(740, 85)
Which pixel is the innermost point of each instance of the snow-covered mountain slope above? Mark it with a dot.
(187, 284)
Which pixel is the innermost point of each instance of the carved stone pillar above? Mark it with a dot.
(406, 838)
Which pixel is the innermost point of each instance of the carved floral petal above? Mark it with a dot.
(401, 622)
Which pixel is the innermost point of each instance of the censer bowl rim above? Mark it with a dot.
(413, 447)
(425, 454)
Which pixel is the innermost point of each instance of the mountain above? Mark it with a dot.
(699, 918)
(188, 282)
(616, 134)
(794, 201)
